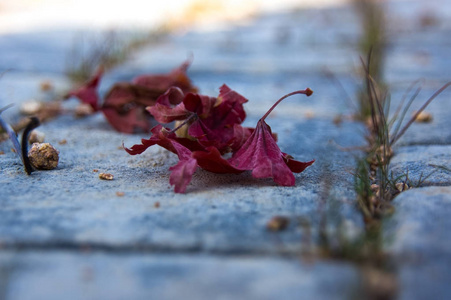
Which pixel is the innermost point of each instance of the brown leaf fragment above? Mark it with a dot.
(278, 223)
(106, 176)
(36, 136)
(424, 117)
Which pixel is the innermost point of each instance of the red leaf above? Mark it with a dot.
(240, 136)
(183, 171)
(158, 138)
(262, 156)
(124, 107)
(218, 121)
(125, 104)
(199, 104)
(87, 93)
(164, 112)
(220, 138)
(211, 160)
(230, 108)
(217, 118)
(294, 165)
(161, 82)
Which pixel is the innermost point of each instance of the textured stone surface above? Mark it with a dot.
(219, 213)
(432, 133)
(424, 165)
(419, 231)
(93, 275)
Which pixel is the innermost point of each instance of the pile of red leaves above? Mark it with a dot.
(124, 105)
(207, 128)
(211, 127)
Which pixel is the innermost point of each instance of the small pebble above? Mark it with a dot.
(424, 117)
(3, 137)
(95, 170)
(338, 119)
(106, 176)
(309, 114)
(36, 136)
(46, 85)
(43, 156)
(375, 188)
(277, 223)
(63, 142)
(120, 194)
(31, 107)
(156, 204)
(83, 110)
(401, 186)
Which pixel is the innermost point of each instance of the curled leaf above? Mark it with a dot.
(212, 161)
(261, 155)
(124, 105)
(183, 171)
(87, 93)
(169, 107)
(216, 130)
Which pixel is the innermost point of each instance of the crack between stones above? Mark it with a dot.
(141, 249)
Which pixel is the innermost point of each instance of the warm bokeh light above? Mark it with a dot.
(20, 15)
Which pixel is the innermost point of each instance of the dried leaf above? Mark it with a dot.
(215, 130)
(88, 92)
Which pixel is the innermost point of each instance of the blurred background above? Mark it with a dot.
(18, 15)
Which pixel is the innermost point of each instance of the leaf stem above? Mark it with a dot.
(306, 92)
(187, 120)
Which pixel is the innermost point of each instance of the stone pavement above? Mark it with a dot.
(66, 234)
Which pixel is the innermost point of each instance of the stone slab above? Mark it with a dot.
(219, 213)
(424, 165)
(419, 231)
(98, 275)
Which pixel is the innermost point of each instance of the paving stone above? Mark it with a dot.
(419, 232)
(424, 165)
(430, 133)
(98, 275)
(220, 213)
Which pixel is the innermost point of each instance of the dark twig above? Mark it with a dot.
(34, 122)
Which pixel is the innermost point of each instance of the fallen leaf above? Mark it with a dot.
(261, 155)
(87, 93)
(216, 130)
